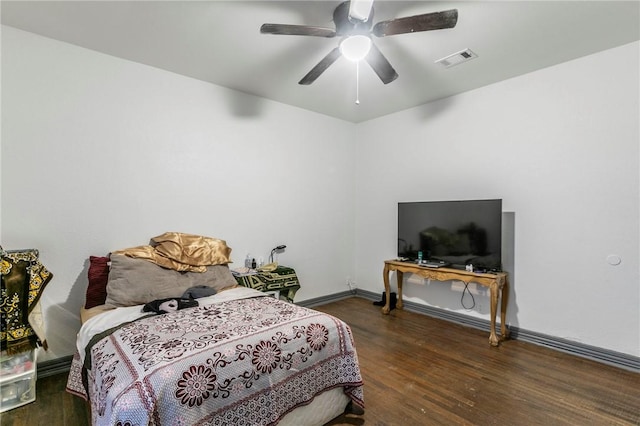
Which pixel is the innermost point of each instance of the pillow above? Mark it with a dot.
(98, 275)
(192, 249)
(137, 281)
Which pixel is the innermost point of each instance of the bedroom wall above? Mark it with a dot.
(560, 146)
(100, 153)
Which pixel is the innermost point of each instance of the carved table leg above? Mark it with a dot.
(385, 278)
(493, 338)
(399, 275)
(504, 300)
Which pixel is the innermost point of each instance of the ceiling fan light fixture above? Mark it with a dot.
(356, 34)
(355, 47)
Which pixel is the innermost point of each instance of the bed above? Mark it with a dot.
(240, 357)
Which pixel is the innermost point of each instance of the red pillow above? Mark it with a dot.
(98, 275)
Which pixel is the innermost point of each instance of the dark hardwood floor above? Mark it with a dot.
(423, 371)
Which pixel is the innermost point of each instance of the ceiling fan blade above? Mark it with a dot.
(360, 10)
(381, 65)
(414, 24)
(320, 67)
(305, 30)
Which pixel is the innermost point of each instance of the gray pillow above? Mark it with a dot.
(138, 281)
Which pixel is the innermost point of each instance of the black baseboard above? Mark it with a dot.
(309, 303)
(54, 366)
(605, 356)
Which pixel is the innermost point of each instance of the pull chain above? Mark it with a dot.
(358, 83)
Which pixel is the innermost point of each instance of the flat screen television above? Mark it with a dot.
(460, 233)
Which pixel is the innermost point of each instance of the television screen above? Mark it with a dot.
(460, 233)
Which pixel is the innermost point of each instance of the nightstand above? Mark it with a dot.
(282, 282)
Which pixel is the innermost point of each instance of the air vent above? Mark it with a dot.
(457, 58)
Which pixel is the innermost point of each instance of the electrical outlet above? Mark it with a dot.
(352, 285)
(416, 279)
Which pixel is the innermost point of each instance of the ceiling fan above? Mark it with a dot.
(353, 22)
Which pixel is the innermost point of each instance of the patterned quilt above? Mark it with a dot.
(240, 362)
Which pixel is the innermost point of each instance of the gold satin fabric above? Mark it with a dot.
(182, 252)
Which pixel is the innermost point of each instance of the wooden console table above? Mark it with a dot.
(497, 283)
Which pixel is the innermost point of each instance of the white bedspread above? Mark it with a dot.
(115, 317)
(239, 358)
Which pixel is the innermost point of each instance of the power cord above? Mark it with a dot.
(466, 290)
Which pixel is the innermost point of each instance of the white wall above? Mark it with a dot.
(100, 153)
(561, 148)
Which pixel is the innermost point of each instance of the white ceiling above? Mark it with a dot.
(220, 42)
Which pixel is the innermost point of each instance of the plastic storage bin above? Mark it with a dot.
(17, 379)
